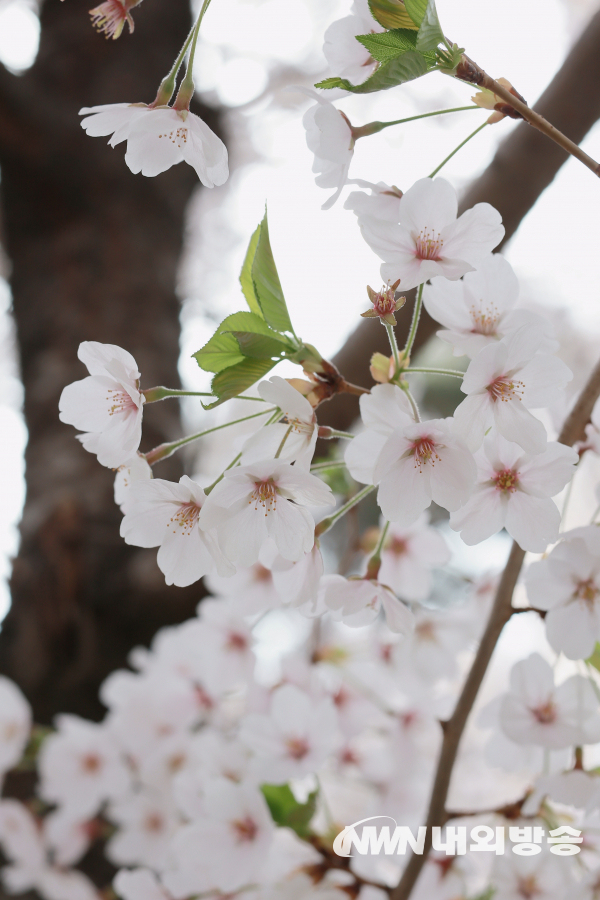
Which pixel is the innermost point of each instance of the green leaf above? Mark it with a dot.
(416, 10)
(286, 811)
(249, 321)
(259, 346)
(232, 381)
(267, 286)
(390, 44)
(391, 13)
(220, 352)
(407, 67)
(246, 275)
(594, 659)
(430, 33)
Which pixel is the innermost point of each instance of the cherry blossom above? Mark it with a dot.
(107, 405)
(421, 462)
(382, 411)
(567, 585)
(513, 491)
(294, 739)
(299, 428)
(297, 583)
(429, 240)
(535, 711)
(147, 821)
(357, 602)
(167, 515)
(80, 766)
(138, 884)
(329, 136)
(135, 469)
(265, 500)
(346, 56)
(234, 834)
(574, 788)
(503, 382)
(160, 137)
(543, 877)
(110, 17)
(408, 556)
(253, 587)
(383, 201)
(479, 309)
(15, 724)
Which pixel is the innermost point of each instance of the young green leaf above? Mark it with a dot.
(249, 321)
(220, 352)
(232, 381)
(407, 67)
(594, 659)
(286, 811)
(388, 45)
(246, 275)
(391, 14)
(259, 346)
(416, 10)
(430, 33)
(267, 286)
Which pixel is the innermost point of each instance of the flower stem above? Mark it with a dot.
(456, 373)
(276, 415)
(374, 127)
(328, 523)
(456, 149)
(186, 88)
(328, 434)
(163, 451)
(154, 394)
(283, 440)
(328, 464)
(412, 401)
(167, 85)
(374, 563)
(393, 344)
(414, 324)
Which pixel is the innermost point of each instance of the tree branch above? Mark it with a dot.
(501, 612)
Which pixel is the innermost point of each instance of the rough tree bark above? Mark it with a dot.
(94, 253)
(523, 167)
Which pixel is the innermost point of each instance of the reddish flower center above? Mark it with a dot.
(586, 590)
(507, 480)
(424, 452)
(505, 388)
(265, 495)
(120, 402)
(528, 887)
(110, 17)
(154, 822)
(425, 631)
(91, 763)
(398, 546)
(428, 245)
(185, 518)
(236, 641)
(485, 321)
(383, 302)
(297, 748)
(245, 830)
(546, 713)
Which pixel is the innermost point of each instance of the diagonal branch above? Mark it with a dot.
(501, 612)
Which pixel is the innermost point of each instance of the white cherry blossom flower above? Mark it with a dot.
(135, 469)
(158, 138)
(421, 462)
(81, 767)
(513, 491)
(479, 309)
(537, 712)
(167, 515)
(382, 411)
(265, 500)
(294, 739)
(567, 585)
(574, 788)
(299, 416)
(147, 821)
(503, 382)
(234, 835)
(15, 724)
(408, 556)
(329, 136)
(107, 405)
(297, 583)
(68, 837)
(357, 602)
(543, 877)
(138, 884)
(383, 202)
(252, 588)
(429, 240)
(346, 56)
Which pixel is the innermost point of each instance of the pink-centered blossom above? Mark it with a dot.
(15, 724)
(503, 383)
(160, 137)
(513, 491)
(429, 240)
(262, 501)
(382, 411)
(163, 514)
(107, 405)
(419, 463)
(479, 309)
(110, 17)
(297, 432)
(408, 556)
(567, 584)
(535, 711)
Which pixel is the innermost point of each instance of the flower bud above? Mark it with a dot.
(488, 100)
(382, 368)
(384, 303)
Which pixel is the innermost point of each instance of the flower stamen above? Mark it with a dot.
(504, 389)
(265, 495)
(429, 245)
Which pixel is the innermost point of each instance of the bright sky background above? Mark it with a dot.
(323, 262)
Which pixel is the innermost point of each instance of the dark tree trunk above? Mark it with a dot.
(94, 253)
